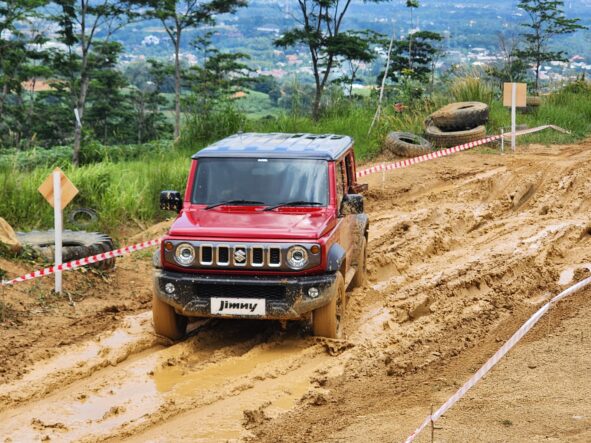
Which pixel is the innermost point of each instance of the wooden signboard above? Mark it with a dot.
(69, 191)
(520, 97)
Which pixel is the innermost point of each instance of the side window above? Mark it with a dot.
(339, 170)
(349, 168)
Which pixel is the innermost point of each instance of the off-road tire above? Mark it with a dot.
(448, 139)
(75, 245)
(406, 144)
(328, 320)
(360, 277)
(533, 102)
(460, 116)
(167, 322)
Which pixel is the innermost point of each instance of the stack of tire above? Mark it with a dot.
(75, 245)
(456, 124)
(452, 125)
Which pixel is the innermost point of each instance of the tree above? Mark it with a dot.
(359, 52)
(177, 16)
(109, 109)
(147, 100)
(421, 57)
(546, 20)
(215, 84)
(80, 23)
(411, 4)
(510, 67)
(321, 31)
(18, 63)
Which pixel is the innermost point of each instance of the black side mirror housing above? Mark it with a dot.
(171, 201)
(352, 204)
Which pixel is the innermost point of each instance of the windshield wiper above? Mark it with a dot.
(235, 202)
(294, 203)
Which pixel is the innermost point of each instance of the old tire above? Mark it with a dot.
(460, 116)
(82, 217)
(328, 320)
(75, 245)
(360, 277)
(532, 104)
(167, 322)
(406, 144)
(448, 139)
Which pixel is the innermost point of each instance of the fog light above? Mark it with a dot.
(313, 292)
(169, 288)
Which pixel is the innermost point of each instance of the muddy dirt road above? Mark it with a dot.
(462, 251)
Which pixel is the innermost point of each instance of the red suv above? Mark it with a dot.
(271, 227)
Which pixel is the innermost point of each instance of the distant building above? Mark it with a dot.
(150, 40)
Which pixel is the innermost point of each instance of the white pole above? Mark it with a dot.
(513, 114)
(57, 213)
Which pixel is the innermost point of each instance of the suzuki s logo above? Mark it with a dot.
(240, 255)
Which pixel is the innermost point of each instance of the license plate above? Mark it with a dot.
(238, 306)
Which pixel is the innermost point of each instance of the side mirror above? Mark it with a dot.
(171, 201)
(352, 204)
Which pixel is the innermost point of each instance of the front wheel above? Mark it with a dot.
(360, 277)
(167, 322)
(328, 320)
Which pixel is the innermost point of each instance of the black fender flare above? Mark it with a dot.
(335, 258)
(363, 224)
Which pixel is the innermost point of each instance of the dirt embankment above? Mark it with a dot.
(462, 251)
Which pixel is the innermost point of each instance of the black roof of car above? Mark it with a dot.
(279, 145)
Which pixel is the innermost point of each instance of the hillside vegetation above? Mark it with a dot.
(123, 182)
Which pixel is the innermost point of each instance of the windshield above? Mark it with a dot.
(271, 181)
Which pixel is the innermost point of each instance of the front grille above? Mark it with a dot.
(206, 255)
(206, 290)
(257, 257)
(223, 255)
(274, 257)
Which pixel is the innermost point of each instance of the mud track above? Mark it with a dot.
(462, 250)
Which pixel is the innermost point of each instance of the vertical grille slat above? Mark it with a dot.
(223, 256)
(274, 257)
(257, 256)
(206, 255)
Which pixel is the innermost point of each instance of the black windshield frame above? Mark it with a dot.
(270, 180)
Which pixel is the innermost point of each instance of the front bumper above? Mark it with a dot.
(286, 298)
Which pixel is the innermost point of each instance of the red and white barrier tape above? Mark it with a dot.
(497, 357)
(423, 158)
(83, 262)
(445, 152)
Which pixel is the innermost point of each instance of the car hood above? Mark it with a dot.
(252, 224)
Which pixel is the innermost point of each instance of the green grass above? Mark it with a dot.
(570, 111)
(122, 193)
(257, 105)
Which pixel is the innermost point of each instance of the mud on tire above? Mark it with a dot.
(460, 116)
(167, 322)
(360, 277)
(443, 139)
(75, 245)
(328, 320)
(406, 144)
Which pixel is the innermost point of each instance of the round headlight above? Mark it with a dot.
(297, 257)
(185, 254)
